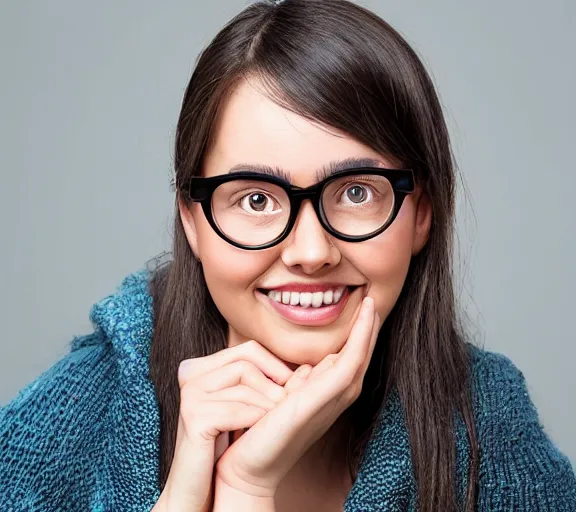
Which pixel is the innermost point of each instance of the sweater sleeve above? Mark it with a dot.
(520, 466)
(50, 432)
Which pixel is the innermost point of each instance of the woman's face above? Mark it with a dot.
(253, 129)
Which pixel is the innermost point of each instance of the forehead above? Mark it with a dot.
(253, 129)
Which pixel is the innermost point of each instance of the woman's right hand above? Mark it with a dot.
(226, 391)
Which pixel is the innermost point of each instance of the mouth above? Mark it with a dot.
(312, 308)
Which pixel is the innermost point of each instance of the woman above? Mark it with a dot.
(301, 349)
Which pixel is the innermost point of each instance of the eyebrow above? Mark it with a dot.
(329, 169)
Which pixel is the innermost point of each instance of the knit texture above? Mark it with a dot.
(83, 436)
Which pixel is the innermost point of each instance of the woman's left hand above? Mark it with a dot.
(256, 463)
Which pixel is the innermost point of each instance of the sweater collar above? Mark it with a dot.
(126, 318)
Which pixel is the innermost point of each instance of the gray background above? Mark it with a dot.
(89, 98)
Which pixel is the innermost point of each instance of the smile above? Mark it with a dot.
(311, 308)
(307, 299)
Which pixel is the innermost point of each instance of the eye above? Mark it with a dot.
(357, 194)
(257, 202)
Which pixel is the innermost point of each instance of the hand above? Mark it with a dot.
(255, 464)
(226, 391)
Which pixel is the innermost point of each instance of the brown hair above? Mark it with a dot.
(337, 63)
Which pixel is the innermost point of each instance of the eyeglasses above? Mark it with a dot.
(251, 210)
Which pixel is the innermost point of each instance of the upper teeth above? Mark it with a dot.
(306, 299)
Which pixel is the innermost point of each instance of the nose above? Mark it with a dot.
(308, 247)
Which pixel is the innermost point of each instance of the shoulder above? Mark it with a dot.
(61, 434)
(45, 429)
(489, 365)
(125, 317)
(499, 387)
(519, 462)
(64, 383)
(501, 396)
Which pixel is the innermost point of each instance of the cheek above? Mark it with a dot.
(385, 260)
(228, 271)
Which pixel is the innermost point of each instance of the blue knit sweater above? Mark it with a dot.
(83, 436)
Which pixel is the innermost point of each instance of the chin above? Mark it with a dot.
(311, 347)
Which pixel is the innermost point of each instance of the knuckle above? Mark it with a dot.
(251, 345)
(331, 358)
(243, 393)
(189, 396)
(348, 380)
(198, 429)
(356, 390)
(197, 422)
(255, 350)
(188, 408)
(186, 369)
(246, 367)
(353, 391)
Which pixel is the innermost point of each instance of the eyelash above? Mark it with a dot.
(247, 195)
(351, 183)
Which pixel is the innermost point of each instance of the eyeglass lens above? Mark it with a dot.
(253, 212)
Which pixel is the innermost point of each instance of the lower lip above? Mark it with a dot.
(323, 315)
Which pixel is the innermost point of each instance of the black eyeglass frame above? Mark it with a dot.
(200, 189)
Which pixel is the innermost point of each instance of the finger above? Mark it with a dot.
(373, 339)
(272, 366)
(324, 365)
(241, 372)
(344, 368)
(297, 380)
(354, 351)
(217, 417)
(288, 430)
(347, 366)
(375, 332)
(242, 394)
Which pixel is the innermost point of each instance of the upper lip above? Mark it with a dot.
(307, 287)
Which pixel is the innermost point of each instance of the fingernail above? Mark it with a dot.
(300, 370)
(303, 371)
(368, 302)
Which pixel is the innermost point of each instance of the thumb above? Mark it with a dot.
(298, 378)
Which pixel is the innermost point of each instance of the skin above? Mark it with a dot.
(253, 471)
(330, 360)
(285, 412)
(254, 129)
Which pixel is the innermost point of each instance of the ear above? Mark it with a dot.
(423, 222)
(189, 226)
